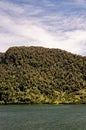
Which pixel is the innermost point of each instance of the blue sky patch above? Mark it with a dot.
(49, 23)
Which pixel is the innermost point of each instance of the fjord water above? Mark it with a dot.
(43, 117)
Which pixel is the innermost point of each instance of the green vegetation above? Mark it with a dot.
(42, 75)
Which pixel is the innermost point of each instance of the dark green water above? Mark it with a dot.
(43, 117)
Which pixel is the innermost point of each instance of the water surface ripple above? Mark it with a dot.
(43, 117)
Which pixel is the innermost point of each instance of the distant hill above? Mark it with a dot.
(42, 75)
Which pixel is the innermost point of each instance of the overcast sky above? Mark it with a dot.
(48, 23)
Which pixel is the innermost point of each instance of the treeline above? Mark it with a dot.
(42, 75)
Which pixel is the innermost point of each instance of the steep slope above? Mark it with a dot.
(42, 75)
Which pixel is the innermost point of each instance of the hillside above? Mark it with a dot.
(42, 75)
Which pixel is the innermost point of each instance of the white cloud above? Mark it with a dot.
(54, 31)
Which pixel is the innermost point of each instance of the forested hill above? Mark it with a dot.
(42, 75)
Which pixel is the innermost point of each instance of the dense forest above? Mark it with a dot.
(41, 75)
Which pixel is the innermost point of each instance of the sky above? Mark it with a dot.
(48, 23)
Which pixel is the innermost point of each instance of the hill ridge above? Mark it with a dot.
(42, 75)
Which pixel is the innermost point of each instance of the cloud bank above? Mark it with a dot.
(53, 24)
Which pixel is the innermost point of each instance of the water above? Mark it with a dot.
(43, 117)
